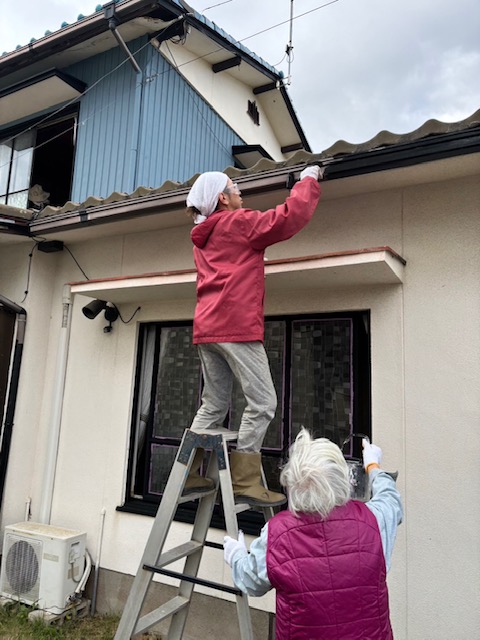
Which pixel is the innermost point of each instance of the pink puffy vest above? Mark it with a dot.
(330, 576)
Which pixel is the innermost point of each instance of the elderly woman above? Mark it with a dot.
(327, 556)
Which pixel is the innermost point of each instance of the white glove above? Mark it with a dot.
(314, 172)
(231, 546)
(371, 453)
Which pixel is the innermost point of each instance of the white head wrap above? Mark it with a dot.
(204, 193)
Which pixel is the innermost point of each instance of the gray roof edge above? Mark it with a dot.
(266, 169)
(23, 53)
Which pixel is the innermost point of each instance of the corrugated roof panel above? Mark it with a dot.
(430, 128)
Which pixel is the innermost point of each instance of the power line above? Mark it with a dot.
(216, 5)
(176, 66)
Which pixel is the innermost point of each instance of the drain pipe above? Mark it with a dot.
(56, 411)
(97, 563)
(13, 390)
(113, 22)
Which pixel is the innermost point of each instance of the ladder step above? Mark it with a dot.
(182, 551)
(193, 579)
(157, 615)
(195, 495)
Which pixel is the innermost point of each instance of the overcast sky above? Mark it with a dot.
(359, 66)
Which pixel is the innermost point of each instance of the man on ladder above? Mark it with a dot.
(228, 328)
(229, 246)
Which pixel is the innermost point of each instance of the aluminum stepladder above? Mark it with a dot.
(154, 561)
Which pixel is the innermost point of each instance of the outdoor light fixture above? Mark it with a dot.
(92, 309)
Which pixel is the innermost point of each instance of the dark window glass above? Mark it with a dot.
(321, 370)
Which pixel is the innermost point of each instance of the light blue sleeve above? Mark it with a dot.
(386, 506)
(249, 571)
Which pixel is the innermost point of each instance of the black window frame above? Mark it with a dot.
(35, 125)
(252, 521)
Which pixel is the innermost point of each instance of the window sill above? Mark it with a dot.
(249, 522)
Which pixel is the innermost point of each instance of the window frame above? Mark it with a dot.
(34, 125)
(252, 521)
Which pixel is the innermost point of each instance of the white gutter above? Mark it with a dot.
(55, 422)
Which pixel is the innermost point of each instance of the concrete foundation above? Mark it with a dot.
(209, 617)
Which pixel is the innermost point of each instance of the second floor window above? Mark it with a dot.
(42, 159)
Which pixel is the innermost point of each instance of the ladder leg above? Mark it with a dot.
(153, 560)
(201, 525)
(231, 523)
(153, 549)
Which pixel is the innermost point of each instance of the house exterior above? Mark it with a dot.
(371, 311)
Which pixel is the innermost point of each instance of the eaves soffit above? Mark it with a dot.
(89, 35)
(338, 152)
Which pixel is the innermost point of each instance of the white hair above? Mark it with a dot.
(316, 476)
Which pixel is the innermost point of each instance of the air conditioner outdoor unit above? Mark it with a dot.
(42, 564)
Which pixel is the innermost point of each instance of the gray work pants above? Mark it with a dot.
(248, 362)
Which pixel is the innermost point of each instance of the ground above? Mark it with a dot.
(15, 625)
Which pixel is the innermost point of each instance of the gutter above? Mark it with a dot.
(7, 428)
(424, 150)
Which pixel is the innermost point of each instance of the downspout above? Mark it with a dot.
(53, 437)
(113, 22)
(12, 390)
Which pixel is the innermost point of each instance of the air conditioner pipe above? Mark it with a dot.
(12, 391)
(86, 573)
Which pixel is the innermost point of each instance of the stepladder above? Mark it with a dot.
(155, 559)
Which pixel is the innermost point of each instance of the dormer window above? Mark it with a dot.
(253, 112)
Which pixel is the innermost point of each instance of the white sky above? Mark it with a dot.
(360, 66)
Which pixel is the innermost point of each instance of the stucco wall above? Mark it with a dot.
(425, 381)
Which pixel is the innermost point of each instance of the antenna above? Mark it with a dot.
(289, 47)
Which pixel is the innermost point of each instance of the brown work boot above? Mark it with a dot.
(196, 483)
(246, 470)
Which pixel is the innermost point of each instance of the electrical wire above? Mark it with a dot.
(30, 257)
(131, 317)
(76, 262)
(216, 5)
(49, 116)
(150, 78)
(280, 24)
(190, 95)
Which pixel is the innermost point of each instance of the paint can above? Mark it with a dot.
(359, 482)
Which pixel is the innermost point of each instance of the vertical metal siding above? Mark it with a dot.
(180, 134)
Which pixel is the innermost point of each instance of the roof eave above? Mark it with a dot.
(76, 33)
(279, 178)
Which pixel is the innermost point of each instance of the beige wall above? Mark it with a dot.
(425, 387)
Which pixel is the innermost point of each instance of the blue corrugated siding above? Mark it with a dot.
(178, 133)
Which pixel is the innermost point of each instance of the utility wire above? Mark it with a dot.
(76, 262)
(176, 67)
(190, 94)
(30, 257)
(216, 5)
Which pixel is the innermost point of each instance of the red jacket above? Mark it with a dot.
(229, 256)
(330, 575)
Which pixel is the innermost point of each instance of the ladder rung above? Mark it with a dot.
(195, 495)
(214, 545)
(195, 580)
(181, 551)
(242, 506)
(157, 615)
